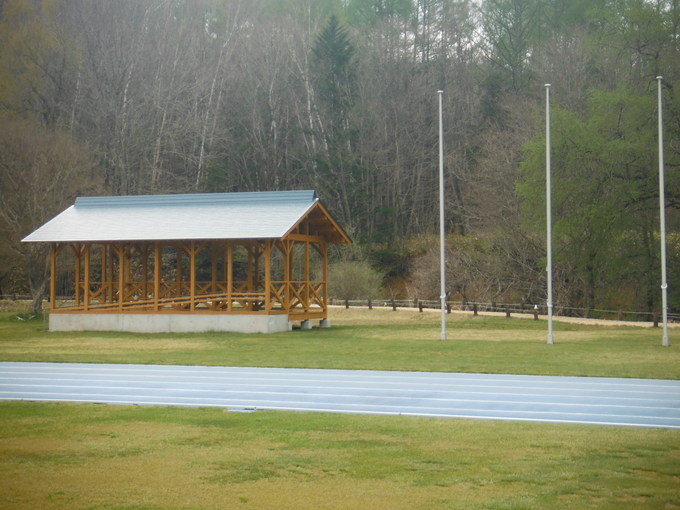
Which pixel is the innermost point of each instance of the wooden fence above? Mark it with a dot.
(506, 308)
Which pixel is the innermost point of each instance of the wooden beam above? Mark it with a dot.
(305, 238)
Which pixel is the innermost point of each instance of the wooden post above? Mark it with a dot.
(324, 252)
(121, 276)
(110, 269)
(77, 253)
(475, 310)
(225, 263)
(307, 277)
(192, 276)
(86, 278)
(105, 268)
(179, 271)
(420, 306)
(267, 275)
(157, 266)
(507, 312)
(128, 271)
(213, 256)
(145, 270)
(230, 276)
(394, 305)
(287, 249)
(53, 276)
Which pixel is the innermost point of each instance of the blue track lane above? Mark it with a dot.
(582, 400)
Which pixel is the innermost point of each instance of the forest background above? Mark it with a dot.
(176, 96)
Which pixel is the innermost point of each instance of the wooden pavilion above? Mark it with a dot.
(248, 262)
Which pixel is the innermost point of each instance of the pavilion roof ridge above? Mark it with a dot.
(244, 197)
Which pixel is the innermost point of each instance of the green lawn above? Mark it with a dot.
(372, 340)
(76, 456)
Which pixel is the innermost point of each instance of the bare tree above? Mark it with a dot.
(41, 171)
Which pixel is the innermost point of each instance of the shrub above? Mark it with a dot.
(354, 280)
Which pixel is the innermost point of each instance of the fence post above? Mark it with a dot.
(474, 309)
(370, 304)
(448, 307)
(619, 315)
(420, 306)
(394, 306)
(507, 311)
(346, 303)
(656, 320)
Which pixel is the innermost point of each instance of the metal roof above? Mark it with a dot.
(248, 215)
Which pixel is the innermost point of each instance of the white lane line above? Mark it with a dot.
(311, 395)
(388, 413)
(291, 379)
(372, 409)
(402, 385)
(415, 378)
(566, 395)
(250, 401)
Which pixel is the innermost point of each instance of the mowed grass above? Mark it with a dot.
(373, 340)
(76, 456)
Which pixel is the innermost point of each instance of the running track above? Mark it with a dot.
(582, 400)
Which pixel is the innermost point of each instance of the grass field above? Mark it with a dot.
(372, 340)
(79, 456)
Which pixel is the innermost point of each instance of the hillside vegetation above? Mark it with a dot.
(170, 96)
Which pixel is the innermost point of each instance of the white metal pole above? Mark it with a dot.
(442, 234)
(548, 202)
(662, 218)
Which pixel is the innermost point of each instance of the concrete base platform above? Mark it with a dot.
(169, 322)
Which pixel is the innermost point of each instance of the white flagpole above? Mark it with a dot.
(548, 202)
(662, 219)
(442, 238)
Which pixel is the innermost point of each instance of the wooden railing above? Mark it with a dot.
(297, 297)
